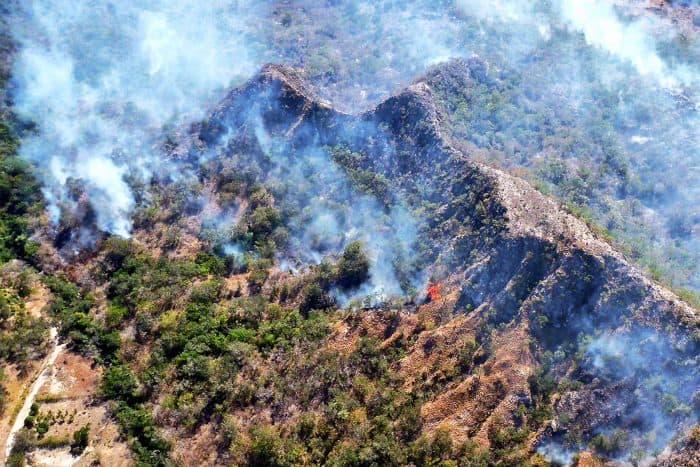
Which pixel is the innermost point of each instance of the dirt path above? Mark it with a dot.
(36, 385)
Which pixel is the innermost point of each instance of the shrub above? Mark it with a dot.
(441, 445)
(211, 264)
(52, 442)
(137, 423)
(206, 293)
(465, 357)
(42, 427)
(542, 384)
(117, 251)
(116, 313)
(263, 220)
(119, 383)
(3, 397)
(19, 195)
(256, 279)
(80, 440)
(73, 310)
(610, 445)
(314, 299)
(353, 267)
(24, 443)
(505, 439)
(270, 449)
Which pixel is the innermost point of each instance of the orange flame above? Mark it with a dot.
(434, 292)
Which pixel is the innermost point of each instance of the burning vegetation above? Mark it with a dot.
(433, 292)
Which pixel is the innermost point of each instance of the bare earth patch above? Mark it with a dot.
(69, 396)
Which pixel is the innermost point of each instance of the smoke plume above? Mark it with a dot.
(102, 80)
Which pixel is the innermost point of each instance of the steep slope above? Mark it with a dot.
(530, 282)
(244, 323)
(416, 156)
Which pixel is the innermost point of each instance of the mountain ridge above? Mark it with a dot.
(519, 258)
(538, 340)
(529, 213)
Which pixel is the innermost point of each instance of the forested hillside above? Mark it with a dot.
(416, 238)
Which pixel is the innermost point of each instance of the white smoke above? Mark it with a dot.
(665, 378)
(334, 214)
(503, 10)
(556, 454)
(101, 79)
(632, 42)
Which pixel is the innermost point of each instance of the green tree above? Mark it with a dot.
(353, 267)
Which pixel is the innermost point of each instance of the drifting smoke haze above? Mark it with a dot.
(322, 209)
(640, 387)
(627, 99)
(332, 215)
(102, 79)
(584, 60)
(659, 387)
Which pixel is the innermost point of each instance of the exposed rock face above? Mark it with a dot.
(515, 260)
